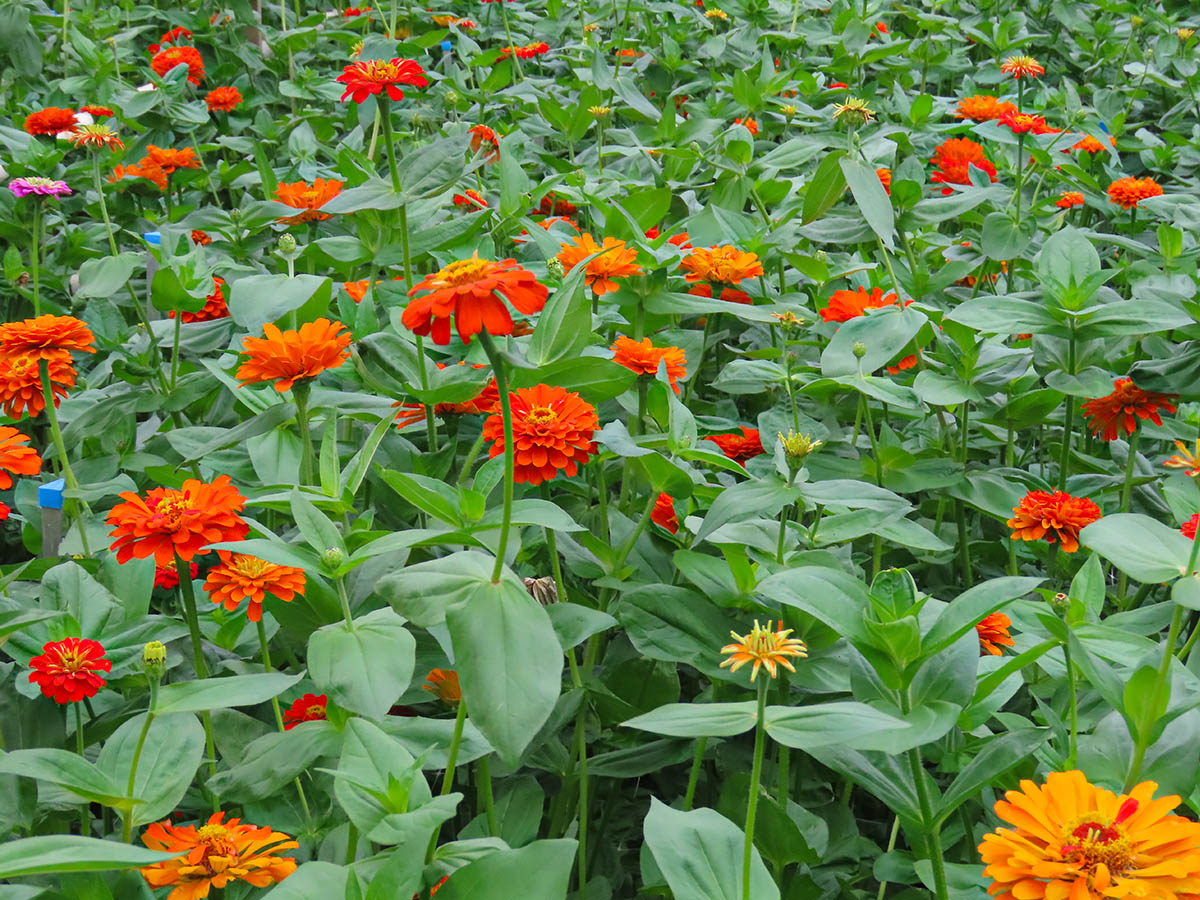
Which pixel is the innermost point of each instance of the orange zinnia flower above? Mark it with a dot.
(202, 239)
(21, 383)
(1021, 123)
(1122, 409)
(983, 108)
(216, 854)
(643, 357)
(749, 124)
(552, 430)
(1090, 145)
(846, 305)
(443, 683)
(470, 291)
(954, 159)
(470, 199)
(96, 136)
(993, 633)
(51, 120)
(1053, 516)
(663, 513)
(1069, 199)
(15, 456)
(45, 337)
(721, 265)
(550, 205)
(480, 135)
(885, 178)
(100, 112)
(223, 99)
(763, 647)
(1128, 192)
(617, 261)
(240, 577)
(485, 403)
(739, 447)
(1022, 67)
(1186, 459)
(168, 59)
(182, 521)
(214, 308)
(286, 357)
(1073, 839)
(309, 708)
(730, 295)
(168, 160)
(378, 76)
(308, 197)
(906, 363)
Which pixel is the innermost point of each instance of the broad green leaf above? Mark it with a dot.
(884, 332)
(542, 870)
(697, 719)
(873, 201)
(756, 498)
(105, 276)
(258, 299)
(825, 187)
(376, 776)
(318, 531)
(221, 693)
(310, 881)
(71, 853)
(273, 760)
(564, 326)
(971, 606)
(67, 770)
(171, 753)
(1001, 238)
(1139, 546)
(846, 723)
(366, 668)
(887, 777)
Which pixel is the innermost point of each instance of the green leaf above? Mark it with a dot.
(70, 853)
(542, 870)
(574, 623)
(258, 299)
(1001, 238)
(1006, 315)
(884, 332)
(700, 855)
(873, 201)
(756, 498)
(509, 663)
(375, 193)
(173, 749)
(167, 293)
(697, 719)
(366, 668)
(825, 187)
(318, 531)
(1139, 546)
(376, 776)
(221, 693)
(274, 759)
(313, 879)
(564, 326)
(67, 770)
(846, 723)
(105, 276)
(971, 606)
(433, 497)
(997, 756)
(887, 777)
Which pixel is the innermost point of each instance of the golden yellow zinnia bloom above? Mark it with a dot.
(763, 647)
(1076, 841)
(721, 265)
(854, 110)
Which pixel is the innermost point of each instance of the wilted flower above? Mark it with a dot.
(854, 110)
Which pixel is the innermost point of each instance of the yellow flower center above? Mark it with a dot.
(1094, 842)
(212, 833)
(541, 415)
(72, 660)
(464, 271)
(173, 507)
(315, 712)
(250, 566)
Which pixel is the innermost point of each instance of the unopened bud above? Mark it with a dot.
(860, 349)
(543, 590)
(1061, 602)
(333, 557)
(1137, 21)
(154, 659)
(452, 97)
(797, 446)
(287, 243)
(555, 267)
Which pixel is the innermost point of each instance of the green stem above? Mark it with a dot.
(581, 749)
(1069, 421)
(188, 592)
(127, 817)
(451, 764)
(386, 123)
(351, 843)
(85, 813)
(33, 258)
(300, 393)
(75, 506)
(1020, 171)
(344, 599)
(508, 36)
(1142, 743)
(1126, 496)
(694, 775)
(933, 828)
(760, 741)
(1073, 713)
(265, 649)
(493, 355)
(99, 186)
(877, 542)
(890, 847)
(175, 350)
(465, 472)
(485, 793)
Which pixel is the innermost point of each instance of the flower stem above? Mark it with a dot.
(448, 776)
(99, 185)
(127, 818)
(488, 802)
(584, 806)
(385, 121)
(60, 448)
(265, 649)
(344, 598)
(1073, 713)
(689, 796)
(85, 815)
(33, 258)
(933, 829)
(493, 355)
(188, 593)
(508, 35)
(1126, 496)
(1142, 742)
(300, 392)
(760, 740)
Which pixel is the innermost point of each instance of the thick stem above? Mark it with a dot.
(300, 392)
(760, 741)
(188, 593)
(493, 355)
(85, 813)
(386, 123)
(581, 750)
(75, 506)
(99, 185)
(1142, 742)
(689, 796)
(448, 776)
(1073, 713)
(1126, 496)
(933, 831)
(486, 798)
(127, 816)
(344, 599)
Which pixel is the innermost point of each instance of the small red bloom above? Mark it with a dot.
(739, 447)
(663, 514)
(1188, 529)
(377, 76)
(66, 670)
(167, 577)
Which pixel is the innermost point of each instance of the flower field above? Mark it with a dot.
(707, 449)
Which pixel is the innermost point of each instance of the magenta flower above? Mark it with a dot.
(46, 187)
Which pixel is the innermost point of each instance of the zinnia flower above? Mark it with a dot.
(216, 854)
(223, 99)
(45, 337)
(42, 187)
(471, 291)
(763, 647)
(529, 51)
(552, 430)
(66, 670)
(983, 108)
(308, 197)
(213, 308)
(1022, 67)
(98, 136)
(617, 261)
(730, 295)
(203, 239)
(470, 199)
(1053, 516)
(643, 357)
(21, 383)
(286, 357)
(954, 159)
(180, 521)
(241, 577)
(1186, 459)
(485, 402)
(993, 633)
(376, 76)
(854, 110)
(167, 577)
(885, 178)
(748, 123)
(51, 120)
(174, 36)
(15, 456)
(309, 708)
(1128, 192)
(846, 305)
(166, 60)
(167, 160)
(480, 135)
(1122, 409)
(99, 112)
(663, 514)
(1188, 528)
(1074, 840)
(550, 205)
(1069, 199)
(739, 447)
(443, 683)
(721, 265)
(1089, 144)
(1021, 123)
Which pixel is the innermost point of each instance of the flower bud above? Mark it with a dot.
(797, 446)
(452, 97)
(333, 557)
(1060, 603)
(1137, 21)
(555, 267)
(287, 243)
(154, 659)
(788, 111)
(543, 590)
(860, 349)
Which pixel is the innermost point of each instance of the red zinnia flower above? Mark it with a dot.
(552, 430)
(1188, 528)
(214, 307)
(954, 159)
(550, 205)
(1053, 516)
(1022, 67)
(739, 447)
(51, 120)
(846, 305)
(663, 514)
(983, 108)
(66, 670)
(15, 457)
(168, 59)
(100, 112)
(174, 36)
(1020, 123)
(167, 577)
(309, 708)
(749, 123)
(480, 135)
(470, 199)
(377, 76)
(223, 99)
(643, 358)
(1122, 409)
(885, 178)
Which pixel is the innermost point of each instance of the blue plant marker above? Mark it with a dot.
(50, 495)
(153, 237)
(1104, 128)
(446, 45)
